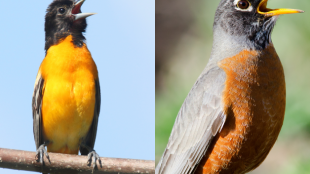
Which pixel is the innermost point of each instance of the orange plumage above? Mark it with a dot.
(66, 98)
(69, 95)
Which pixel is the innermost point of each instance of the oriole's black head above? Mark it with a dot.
(250, 18)
(63, 18)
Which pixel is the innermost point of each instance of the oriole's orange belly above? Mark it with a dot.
(254, 101)
(68, 104)
(67, 114)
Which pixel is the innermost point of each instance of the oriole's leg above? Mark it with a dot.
(41, 151)
(92, 153)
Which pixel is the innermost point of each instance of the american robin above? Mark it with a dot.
(232, 116)
(66, 98)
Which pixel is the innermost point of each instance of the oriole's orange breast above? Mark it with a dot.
(254, 101)
(69, 75)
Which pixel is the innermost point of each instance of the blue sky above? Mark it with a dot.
(122, 42)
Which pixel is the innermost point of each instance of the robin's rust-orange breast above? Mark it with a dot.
(254, 100)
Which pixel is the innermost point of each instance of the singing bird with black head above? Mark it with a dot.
(66, 98)
(233, 114)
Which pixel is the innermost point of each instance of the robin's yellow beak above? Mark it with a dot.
(262, 9)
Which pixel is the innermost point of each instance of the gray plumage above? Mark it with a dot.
(37, 111)
(199, 119)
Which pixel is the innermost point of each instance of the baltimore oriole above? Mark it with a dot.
(66, 98)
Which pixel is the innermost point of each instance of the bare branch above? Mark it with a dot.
(64, 163)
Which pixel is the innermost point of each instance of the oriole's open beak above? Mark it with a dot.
(76, 11)
(262, 9)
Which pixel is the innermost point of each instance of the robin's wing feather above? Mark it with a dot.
(37, 111)
(91, 135)
(200, 118)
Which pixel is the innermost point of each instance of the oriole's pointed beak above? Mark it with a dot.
(76, 11)
(262, 9)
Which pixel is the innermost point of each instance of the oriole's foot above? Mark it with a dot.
(40, 154)
(95, 156)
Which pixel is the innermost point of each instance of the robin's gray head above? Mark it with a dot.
(248, 19)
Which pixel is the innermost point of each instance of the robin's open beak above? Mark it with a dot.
(262, 9)
(76, 11)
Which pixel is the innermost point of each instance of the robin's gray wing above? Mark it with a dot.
(37, 111)
(90, 138)
(200, 118)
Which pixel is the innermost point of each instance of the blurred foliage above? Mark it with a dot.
(291, 38)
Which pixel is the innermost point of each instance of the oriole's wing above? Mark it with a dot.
(200, 118)
(91, 135)
(37, 110)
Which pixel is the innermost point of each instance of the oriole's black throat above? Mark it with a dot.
(64, 18)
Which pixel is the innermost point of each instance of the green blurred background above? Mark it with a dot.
(183, 46)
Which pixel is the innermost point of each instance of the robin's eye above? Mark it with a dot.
(243, 4)
(61, 10)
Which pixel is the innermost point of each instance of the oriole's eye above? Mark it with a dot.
(243, 4)
(61, 10)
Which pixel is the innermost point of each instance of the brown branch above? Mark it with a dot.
(64, 163)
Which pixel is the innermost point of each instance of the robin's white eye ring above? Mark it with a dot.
(243, 5)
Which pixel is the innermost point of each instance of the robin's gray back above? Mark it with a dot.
(199, 119)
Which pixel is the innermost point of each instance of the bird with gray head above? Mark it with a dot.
(233, 114)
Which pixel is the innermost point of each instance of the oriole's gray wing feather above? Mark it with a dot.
(91, 135)
(37, 111)
(199, 119)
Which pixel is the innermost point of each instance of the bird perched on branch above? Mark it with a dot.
(232, 116)
(66, 98)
